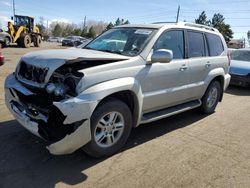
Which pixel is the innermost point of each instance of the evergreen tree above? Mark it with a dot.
(109, 26)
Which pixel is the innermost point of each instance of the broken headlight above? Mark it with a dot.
(63, 83)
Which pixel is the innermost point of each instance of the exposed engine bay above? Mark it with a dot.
(63, 82)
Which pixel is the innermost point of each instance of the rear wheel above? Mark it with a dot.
(37, 41)
(111, 124)
(211, 98)
(25, 41)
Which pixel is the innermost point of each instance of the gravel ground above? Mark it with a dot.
(187, 150)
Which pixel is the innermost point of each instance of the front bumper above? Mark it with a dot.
(65, 124)
(240, 80)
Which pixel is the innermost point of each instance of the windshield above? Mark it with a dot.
(241, 55)
(126, 41)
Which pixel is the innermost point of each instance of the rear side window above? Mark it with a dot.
(215, 44)
(196, 44)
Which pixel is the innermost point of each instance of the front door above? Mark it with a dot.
(165, 83)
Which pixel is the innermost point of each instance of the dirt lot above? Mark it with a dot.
(188, 150)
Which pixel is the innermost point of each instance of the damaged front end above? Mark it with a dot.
(54, 111)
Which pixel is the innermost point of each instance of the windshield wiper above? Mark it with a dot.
(110, 51)
(86, 47)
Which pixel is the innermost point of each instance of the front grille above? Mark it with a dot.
(32, 73)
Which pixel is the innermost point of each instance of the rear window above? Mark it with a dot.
(196, 44)
(215, 44)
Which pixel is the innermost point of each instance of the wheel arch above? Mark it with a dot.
(129, 98)
(220, 79)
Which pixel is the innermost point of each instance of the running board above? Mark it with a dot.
(160, 114)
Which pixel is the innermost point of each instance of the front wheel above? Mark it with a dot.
(111, 124)
(211, 98)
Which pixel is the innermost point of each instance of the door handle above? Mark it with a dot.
(183, 68)
(208, 64)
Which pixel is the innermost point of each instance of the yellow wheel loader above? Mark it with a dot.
(24, 32)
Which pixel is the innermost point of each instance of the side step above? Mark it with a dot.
(160, 114)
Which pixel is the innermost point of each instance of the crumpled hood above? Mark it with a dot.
(53, 59)
(239, 67)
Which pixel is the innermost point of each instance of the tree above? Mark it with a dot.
(84, 32)
(202, 19)
(225, 29)
(57, 30)
(218, 22)
(126, 22)
(117, 22)
(41, 26)
(91, 33)
(109, 26)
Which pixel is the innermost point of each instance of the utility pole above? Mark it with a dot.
(84, 22)
(14, 9)
(47, 27)
(178, 13)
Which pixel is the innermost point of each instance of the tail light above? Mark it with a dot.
(229, 58)
(1, 59)
(1, 56)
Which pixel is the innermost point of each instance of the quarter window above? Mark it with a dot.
(215, 44)
(196, 44)
(172, 40)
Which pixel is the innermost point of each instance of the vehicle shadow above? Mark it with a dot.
(24, 161)
(239, 91)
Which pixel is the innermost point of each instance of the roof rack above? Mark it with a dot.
(190, 25)
(164, 23)
(200, 26)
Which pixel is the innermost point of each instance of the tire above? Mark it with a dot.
(102, 143)
(211, 98)
(7, 42)
(25, 41)
(37, 41)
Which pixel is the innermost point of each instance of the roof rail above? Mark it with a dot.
(164, 23)
(200, 26)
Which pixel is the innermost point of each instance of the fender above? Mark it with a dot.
(104, 89)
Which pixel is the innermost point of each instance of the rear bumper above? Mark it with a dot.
(227, 79)
(240, 80)
(65, 124)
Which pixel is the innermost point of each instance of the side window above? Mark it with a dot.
(172, 40)
(215, 44)
(196, 44)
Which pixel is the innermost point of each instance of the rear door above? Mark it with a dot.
(199, 62)
(204, 50)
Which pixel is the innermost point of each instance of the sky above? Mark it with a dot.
(236, 13)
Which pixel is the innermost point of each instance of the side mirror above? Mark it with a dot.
(12, 18)
(162, 56)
